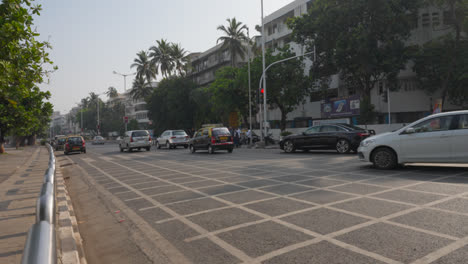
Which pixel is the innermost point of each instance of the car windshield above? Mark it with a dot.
(61, 140)
(98, 138)
(179, 133)
(140, 134)
(74, 140)
(221, 131)
(351, 127)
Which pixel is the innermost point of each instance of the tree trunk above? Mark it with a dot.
(2, 142)
(32, 140)
(283, 118)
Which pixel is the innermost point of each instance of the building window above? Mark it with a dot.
(413, 20)
(448, 18)
(275, 28)
(270, 31)
(426, 21)
(435, 19)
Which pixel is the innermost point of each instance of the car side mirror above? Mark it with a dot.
(410, 130)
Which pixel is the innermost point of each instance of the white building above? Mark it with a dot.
(406, 105)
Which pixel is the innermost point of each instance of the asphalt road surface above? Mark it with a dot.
(265, 206)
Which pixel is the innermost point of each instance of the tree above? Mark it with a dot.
(161, 57)
(112, 92)
(179, 57)
(140, 88)
(287, 86)
(171, 106)
(362, 40)
(144, 67)
(234, 36)
(441, 64)
(228, 93)
(23, 110)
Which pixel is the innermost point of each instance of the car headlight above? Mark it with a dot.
(367, 142)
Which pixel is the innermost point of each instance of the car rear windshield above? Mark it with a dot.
(179, 133)
(140, 133)
(351, 127)
(221, 131)
(74, 140)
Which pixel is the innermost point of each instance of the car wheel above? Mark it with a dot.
(192, 149)
(139, 149)
(168, 145)
(289, 147)
(157, 145)
(230, 150)
(185, 146)
(129, 149)
(210, 149)
(84, 151)
(384, 159)
(342, 146)
(121, 149)
(148, 148)
(66, 153)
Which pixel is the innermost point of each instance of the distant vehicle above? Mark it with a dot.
(212, 139)
(135, 139)
(60, 143)
(98, 140)
(439, 138)
(341, 137)
(172, 139)
(74, 144)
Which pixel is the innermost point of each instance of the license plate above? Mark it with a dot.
(223, 138)
(76, 148)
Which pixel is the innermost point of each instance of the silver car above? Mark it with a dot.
(98, 140)
(135, 139)
(173, 138)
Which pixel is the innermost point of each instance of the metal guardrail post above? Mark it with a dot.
(45, 206)
(40, 245)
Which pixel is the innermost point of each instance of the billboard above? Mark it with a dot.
(340, 107)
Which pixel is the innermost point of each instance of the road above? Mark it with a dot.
(265, 206)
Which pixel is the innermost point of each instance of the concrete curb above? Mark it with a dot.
(69, 239)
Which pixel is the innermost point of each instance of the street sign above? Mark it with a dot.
(125, 118)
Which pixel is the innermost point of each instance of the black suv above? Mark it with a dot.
(211, 139)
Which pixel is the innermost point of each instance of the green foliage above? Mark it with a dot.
(133, 125)
(287, 86)
(233, 38)
(141, 89)
(367, 112)
(363, 40)
(171, 105)
(442, 64)
(229, 93)
(23, 110)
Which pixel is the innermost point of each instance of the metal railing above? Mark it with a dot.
(40, 247)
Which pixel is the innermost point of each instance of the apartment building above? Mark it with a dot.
(406, 105)
(203, 66)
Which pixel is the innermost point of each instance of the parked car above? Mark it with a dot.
(341, 137)
(212, 139)
(60, 143)
(98, 140)
(172, 139)
(135, 139)
(439, 138)
(74, 144)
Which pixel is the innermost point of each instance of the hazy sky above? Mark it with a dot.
(92, 38)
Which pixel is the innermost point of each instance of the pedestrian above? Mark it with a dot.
(249, 135)
(237, 134)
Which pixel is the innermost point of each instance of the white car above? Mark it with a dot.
(135, 139)
(173, 138)
(439, 138)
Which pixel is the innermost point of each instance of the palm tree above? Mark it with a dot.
(140, 88)
(234, 36)
(161, 57)
(85, 102)
(178, 54)
(144, 66)
(112, 92)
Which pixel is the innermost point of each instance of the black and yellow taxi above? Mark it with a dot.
(74, 144)
(212, 138)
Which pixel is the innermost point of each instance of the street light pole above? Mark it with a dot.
(82, 119)
(250, 100)
(125, 90)
(264, 79)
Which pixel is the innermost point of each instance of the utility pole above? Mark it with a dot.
(264, 79)
(250, 95)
